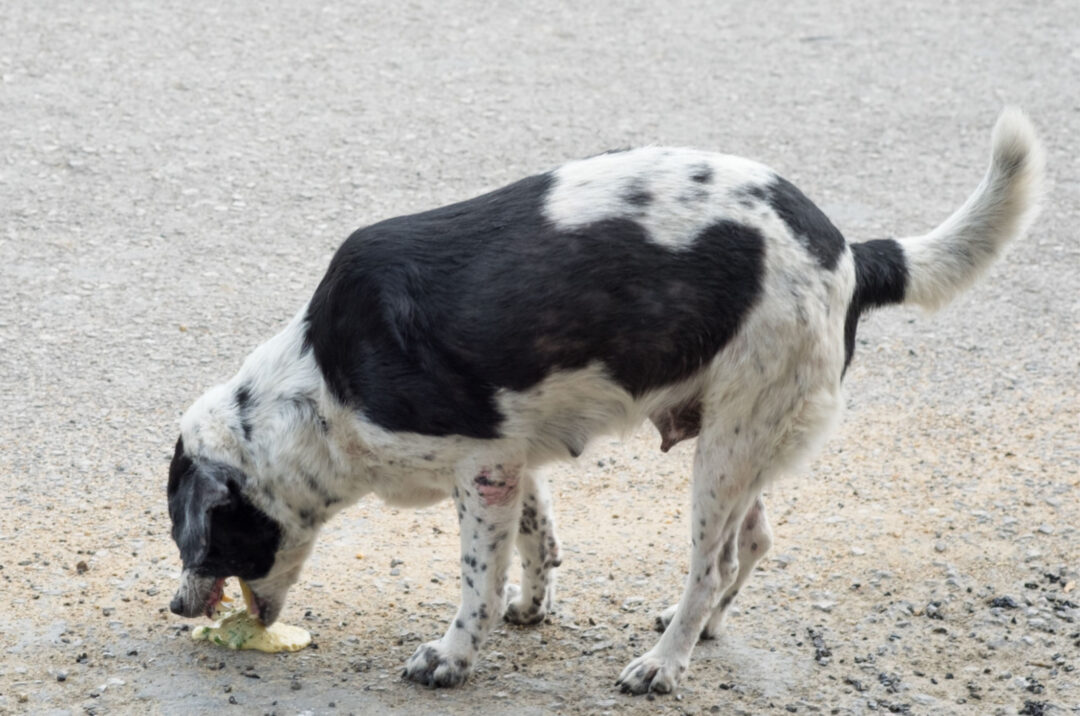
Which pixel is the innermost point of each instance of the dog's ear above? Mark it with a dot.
(194, 490)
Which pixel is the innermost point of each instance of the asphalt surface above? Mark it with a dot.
(174, 178)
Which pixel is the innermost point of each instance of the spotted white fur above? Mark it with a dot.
(655, 187)
(767, 401)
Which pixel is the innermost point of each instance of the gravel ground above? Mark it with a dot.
(174, 179)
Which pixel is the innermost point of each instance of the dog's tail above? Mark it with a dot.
(930, 270)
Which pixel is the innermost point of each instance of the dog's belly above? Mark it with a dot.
(403, 495)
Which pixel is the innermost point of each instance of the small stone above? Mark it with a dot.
(81, 566)
(1004, 603)
(824, 605)
(61, 676)
(1046, 529)
(233, 701)
(395, 572)
(295, 685)
(394, 562)
(939, 546)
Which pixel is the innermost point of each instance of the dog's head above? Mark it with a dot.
(222, 534)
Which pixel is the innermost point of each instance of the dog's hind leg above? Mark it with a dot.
(723, 490)
(539, 550)
(488, 499)
(755, 538)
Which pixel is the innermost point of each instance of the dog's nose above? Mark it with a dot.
(176, 606)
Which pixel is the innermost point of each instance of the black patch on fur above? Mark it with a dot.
(703, 174)
(881, 276)
(637, 195)
(421, 319)
(219, 531)
(809, 225)
(243, 409)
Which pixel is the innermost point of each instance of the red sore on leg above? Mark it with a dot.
(496, 487)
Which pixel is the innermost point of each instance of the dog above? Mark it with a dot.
(454, 352)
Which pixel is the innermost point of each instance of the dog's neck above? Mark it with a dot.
(270, 421)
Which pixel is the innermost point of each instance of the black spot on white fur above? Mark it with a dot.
(637, 195)
(702, 174)
(243, 409)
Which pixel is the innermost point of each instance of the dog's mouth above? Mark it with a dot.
(215, 597)
(256, 606)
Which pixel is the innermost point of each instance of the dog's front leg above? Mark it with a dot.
(488, 499)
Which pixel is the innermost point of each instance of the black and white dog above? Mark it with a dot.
(454, 352)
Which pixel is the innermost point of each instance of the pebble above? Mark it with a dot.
(61, 676)
(784, 559)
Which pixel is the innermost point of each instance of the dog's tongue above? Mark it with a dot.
(249, 598)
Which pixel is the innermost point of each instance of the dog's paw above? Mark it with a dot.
(521, 610)
(430, 666)
(650, 672)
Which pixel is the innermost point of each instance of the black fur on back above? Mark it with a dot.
(807, 223)
(421, 319)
